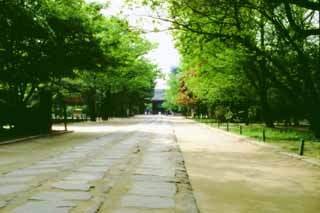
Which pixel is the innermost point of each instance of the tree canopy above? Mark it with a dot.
(251, 54)
(50, 49)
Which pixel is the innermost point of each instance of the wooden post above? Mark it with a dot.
(301, 151)
(218, 124)
(240, 130)
(264, 135)
(65, 117)
(228, 126)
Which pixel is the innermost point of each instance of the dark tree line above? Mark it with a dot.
(50, 49)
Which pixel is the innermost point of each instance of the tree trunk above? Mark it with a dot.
(104, 111)
(296, 122)
(266, 111)
(91, 99)
(45, 110)
(315, 123)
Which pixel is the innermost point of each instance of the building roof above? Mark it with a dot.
(158, 95)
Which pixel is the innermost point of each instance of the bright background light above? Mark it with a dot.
(165, 55)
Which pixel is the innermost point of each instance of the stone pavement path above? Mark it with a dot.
(138, 168)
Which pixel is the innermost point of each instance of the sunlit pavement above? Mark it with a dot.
(136, 166)
(230, 175)
(152, 164)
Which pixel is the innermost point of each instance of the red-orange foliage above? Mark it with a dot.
(185, 97)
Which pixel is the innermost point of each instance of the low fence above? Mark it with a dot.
(296, 138)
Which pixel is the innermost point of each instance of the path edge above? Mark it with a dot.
(309, 160)
(35, 137)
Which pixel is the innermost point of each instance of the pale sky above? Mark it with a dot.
(166, 56)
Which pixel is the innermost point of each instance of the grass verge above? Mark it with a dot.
(288, 139)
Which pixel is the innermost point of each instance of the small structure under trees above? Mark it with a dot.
(157, 101)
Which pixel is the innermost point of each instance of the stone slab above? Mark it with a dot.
(5, 190)
(85, 176)
(58, 196)
(161, 189)
(48, 166)
(41, 207)
(57, 161)
(69, 185)
(126, 211)
(93, 169)
(148, 202)
(15, 179)
(133, 210)
(155, 172)
(103, 164)
(115, 157)
(105, 161)
(31, 172)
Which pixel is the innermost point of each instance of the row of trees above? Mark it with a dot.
(52, 50)
(255, 59)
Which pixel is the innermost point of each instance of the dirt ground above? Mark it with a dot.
(231, 175)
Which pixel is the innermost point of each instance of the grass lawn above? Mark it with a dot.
(288, 139)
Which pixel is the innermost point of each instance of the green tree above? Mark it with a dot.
(52, 48)
(171, 93)
(121, 87)
(280, 39)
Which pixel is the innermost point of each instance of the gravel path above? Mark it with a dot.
(230, 175)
